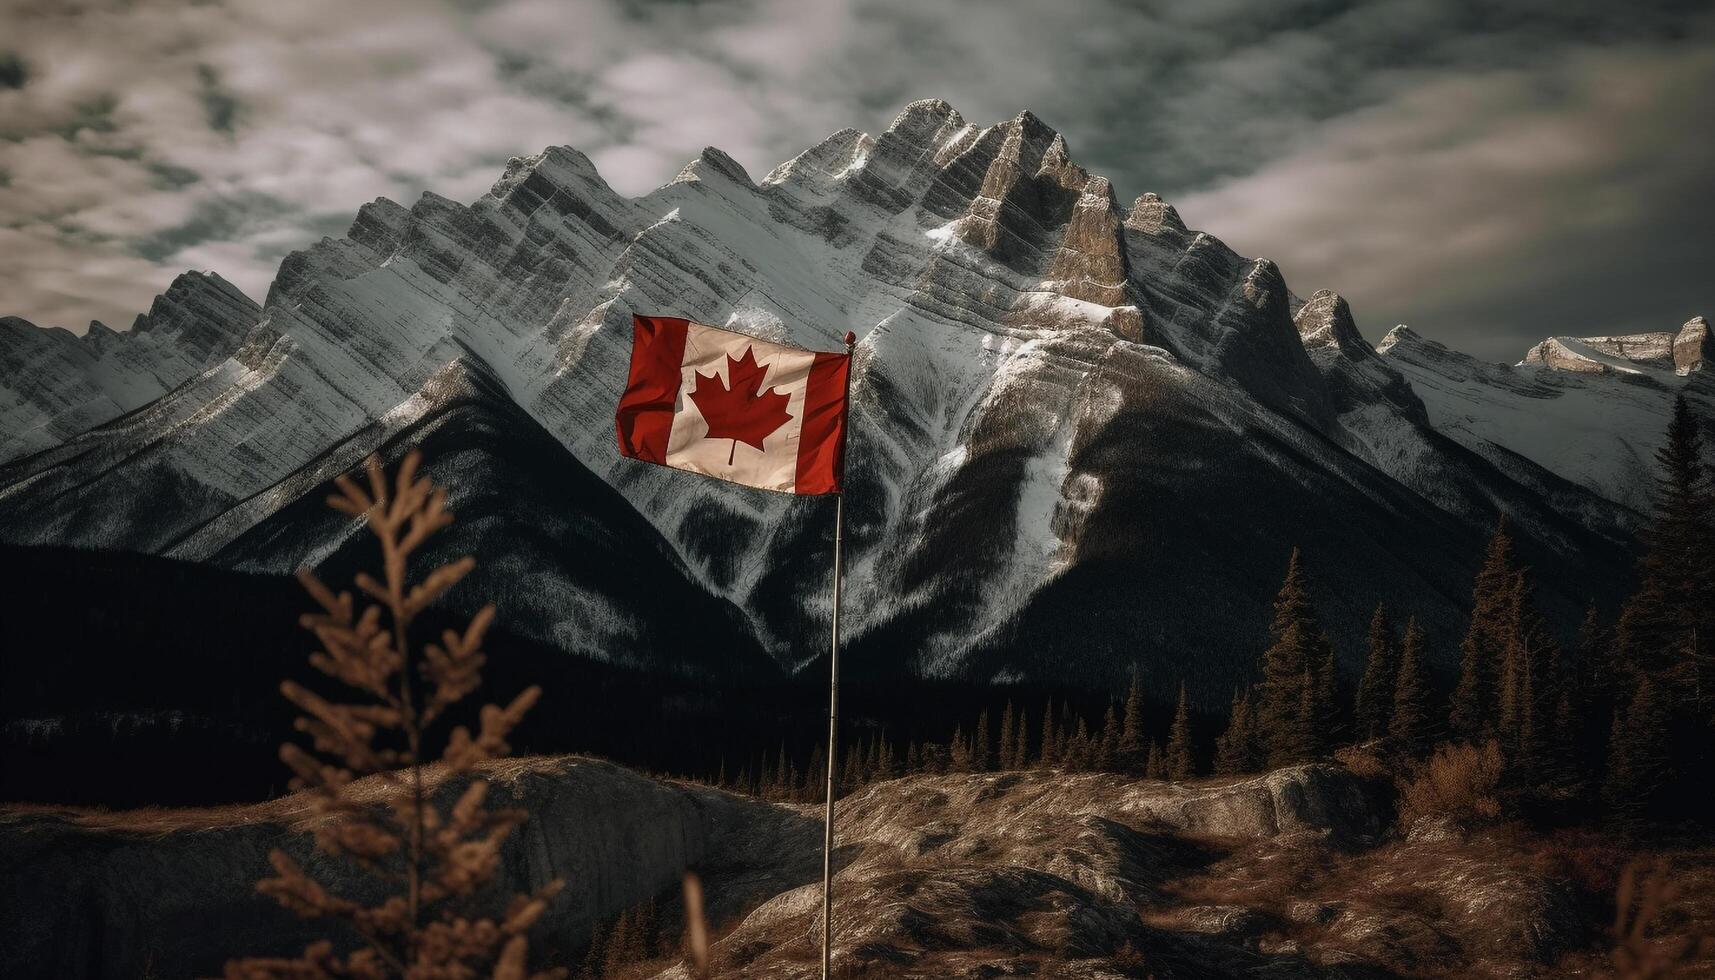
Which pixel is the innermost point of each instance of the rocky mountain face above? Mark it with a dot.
(55, 384)
(1085, 436)
(1293, 873)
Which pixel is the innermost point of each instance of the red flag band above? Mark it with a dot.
(729, 406)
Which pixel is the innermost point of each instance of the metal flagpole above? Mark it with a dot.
(834, 705)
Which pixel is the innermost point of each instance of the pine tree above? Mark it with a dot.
(622, 945)
(1287, 701)
(1381, 674)
(1472, 712)
(426, 861)
(980, 758)
(1132, 753)
(1008, 738)
(1021, 751)
(596, 955)
(1236, 750)
(1598, 675)
(1079, 755)
(1412, 726)
(1529, 689)
(851, 773)
(1638, 761)
(1667, 628)
(1325, 698)
(959, 752)
(648, 928)
(1050, 756)
(1155, 764)
(1107, 746)
(1179, 762)
(818, 771)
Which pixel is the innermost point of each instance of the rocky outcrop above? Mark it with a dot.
(1286, 874)
(173, 892)
(1692, 347)
(1574, 353)
(1326, 321)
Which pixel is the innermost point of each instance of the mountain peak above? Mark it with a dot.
(1400, 334)
(1326, 321)
(714, 160)
(924, 120)
(1151, 215)
(202, 300)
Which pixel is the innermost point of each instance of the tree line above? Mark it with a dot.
(1621, 721)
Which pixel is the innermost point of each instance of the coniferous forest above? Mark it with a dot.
(1609, 720)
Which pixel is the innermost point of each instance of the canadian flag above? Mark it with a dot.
(734, 407)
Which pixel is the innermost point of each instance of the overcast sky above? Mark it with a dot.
(1488, 172)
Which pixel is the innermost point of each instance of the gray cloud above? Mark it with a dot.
(221, 107)
(13, 72)
(1473, 168)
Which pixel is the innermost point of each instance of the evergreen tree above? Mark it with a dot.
(818, 771)
(1598, 676)
(1179, 762)
(981, 760)
(913, 759)
(1412, 726)
(1472, 712)
(778, 784)
(648, 928)
(1107, 748)
(622, 947)
(1155, 764)
(1078, 748)
(1236, 749)
(596, 956)
(1529, 689)
(1008, 760)
(1381, 675)
(1287, 702)
(1132, 753)
(1638, 762)
(851, 773)
(1666, 629)
(1050, 756)
(1021, 751)
(959, 752)
(1325, 698)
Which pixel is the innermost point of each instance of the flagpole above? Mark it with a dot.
(834, 704)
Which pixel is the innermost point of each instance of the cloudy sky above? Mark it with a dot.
(1488, 172)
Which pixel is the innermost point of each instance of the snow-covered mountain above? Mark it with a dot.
(1590, 409)
(1085, 436)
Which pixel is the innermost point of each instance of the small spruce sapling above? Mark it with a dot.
(434, 861)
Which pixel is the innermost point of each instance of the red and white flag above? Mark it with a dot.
(733, 407)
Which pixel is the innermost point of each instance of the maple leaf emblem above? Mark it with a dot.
(742, 412)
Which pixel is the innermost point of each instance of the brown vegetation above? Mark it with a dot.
(434, 863)
(1460, 783)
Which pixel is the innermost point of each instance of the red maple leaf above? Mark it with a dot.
(742, 412)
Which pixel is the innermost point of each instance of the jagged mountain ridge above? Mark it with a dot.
(1051, 390)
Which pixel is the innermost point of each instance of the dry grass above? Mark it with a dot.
(1459, 783)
